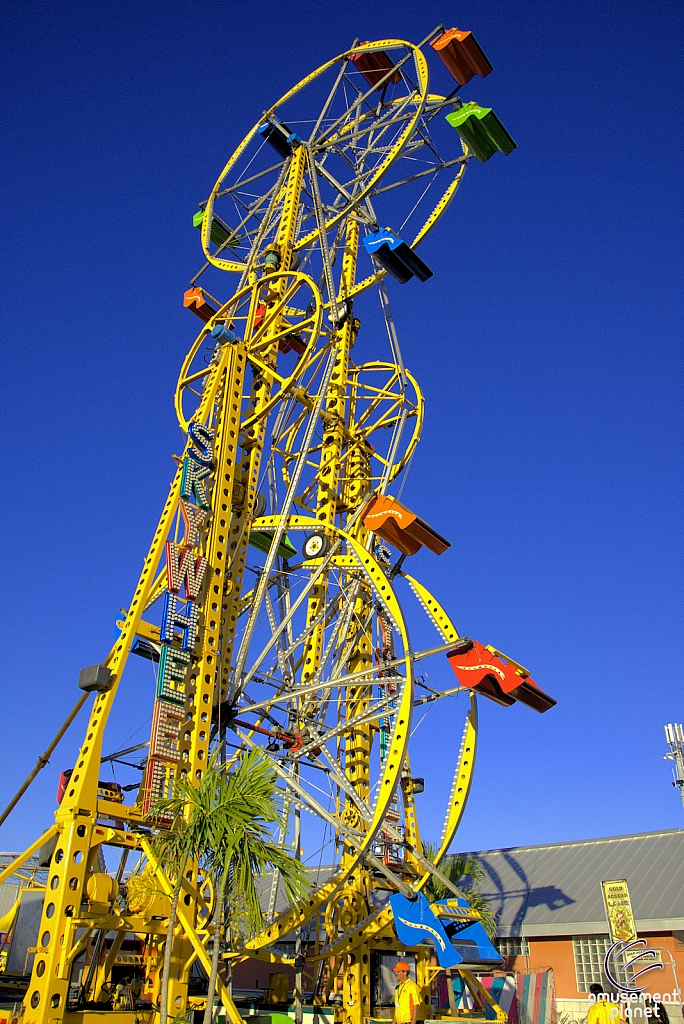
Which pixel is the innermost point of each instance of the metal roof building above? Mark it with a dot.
(555, 889)
(550, 911)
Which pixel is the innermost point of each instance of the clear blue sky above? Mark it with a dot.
(548, 344)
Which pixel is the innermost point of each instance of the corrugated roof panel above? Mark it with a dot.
(555, 889)
(556, 886)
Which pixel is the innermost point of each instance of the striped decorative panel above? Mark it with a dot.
(528, 997)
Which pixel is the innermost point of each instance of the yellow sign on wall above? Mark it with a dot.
(621, 923)
(644, 957)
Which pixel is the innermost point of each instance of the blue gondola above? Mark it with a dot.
(397, 258)
(280, 137)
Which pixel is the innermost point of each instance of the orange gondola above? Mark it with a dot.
(195, 300)
(393, 522)
(462, 55)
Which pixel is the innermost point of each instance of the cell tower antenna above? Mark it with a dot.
(674, 735)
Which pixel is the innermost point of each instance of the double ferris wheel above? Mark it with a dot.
(276, 602)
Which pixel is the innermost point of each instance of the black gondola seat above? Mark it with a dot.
(395, 256)
(279, 136)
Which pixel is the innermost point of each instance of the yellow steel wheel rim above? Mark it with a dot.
(385, 44)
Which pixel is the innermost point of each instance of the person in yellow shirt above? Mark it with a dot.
(603, 1010)
(407, 997)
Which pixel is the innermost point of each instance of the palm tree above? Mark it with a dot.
(223, 825)
(185, 838)
(243, 849)
(465, 871)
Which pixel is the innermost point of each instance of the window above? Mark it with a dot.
(284, 948)
(513, 945)
(590, 951)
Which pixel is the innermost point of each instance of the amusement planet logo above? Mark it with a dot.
(620, 958)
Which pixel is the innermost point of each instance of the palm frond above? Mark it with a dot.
(226, 825)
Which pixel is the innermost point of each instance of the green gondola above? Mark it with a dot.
(262, 540)
(220, 232)
(481, 130)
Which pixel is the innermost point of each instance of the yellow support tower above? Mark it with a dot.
(275, 606)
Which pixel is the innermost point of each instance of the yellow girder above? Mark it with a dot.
(317, 655)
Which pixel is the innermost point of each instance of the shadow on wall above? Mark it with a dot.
(523, 894)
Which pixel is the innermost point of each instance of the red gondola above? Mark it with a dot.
(374, 66)
(479, 668)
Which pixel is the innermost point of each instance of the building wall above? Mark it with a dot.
(252, 975)
(550, 952)
(665, 981)
(558, 953)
